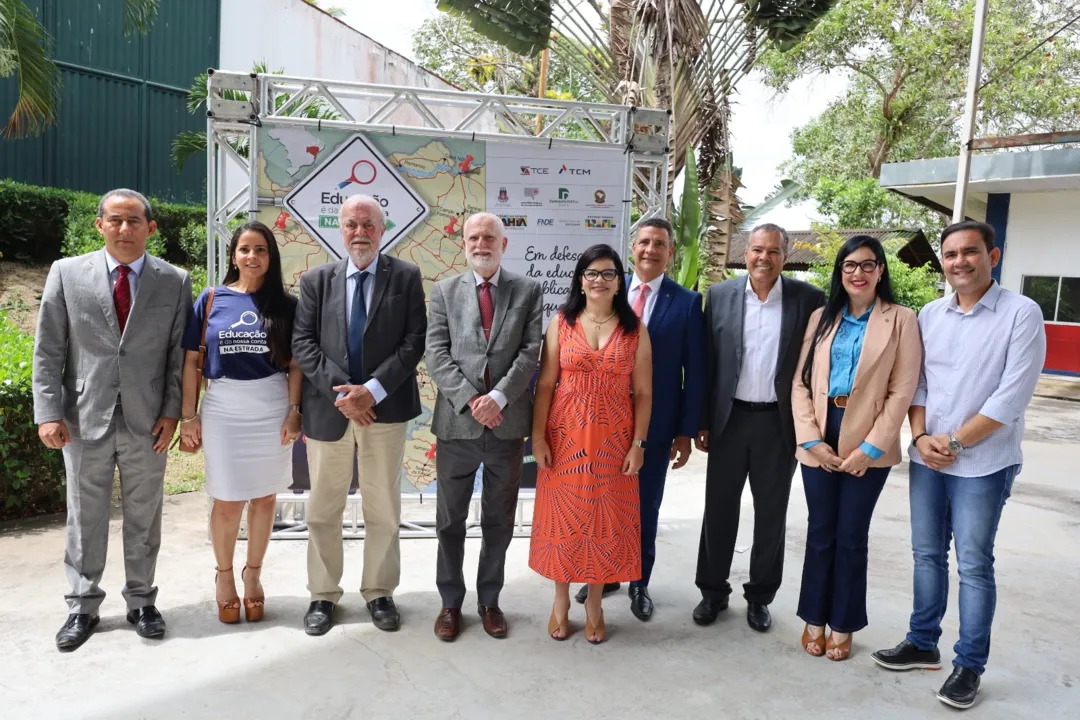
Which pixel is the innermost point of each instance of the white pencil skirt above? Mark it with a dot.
(241, 431)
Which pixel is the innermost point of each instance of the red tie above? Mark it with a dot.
(122, 296)
(639, 303)
(487, 315)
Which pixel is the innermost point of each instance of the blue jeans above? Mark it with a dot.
(967, 509)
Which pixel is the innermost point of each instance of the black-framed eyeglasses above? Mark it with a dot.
(608, 274)
(867, 266)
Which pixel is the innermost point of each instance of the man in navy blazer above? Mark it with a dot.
(676, 324)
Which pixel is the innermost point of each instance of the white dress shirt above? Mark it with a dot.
(496, 395)
(761, 345)
(985, 361)
(373, 385)
(650, 301)
(133, 277)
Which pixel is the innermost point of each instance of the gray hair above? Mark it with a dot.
(366, 200)
(785, 241)
(127, 195)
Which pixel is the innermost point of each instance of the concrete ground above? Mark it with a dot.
(666, 668)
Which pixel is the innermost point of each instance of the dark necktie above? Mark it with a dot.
(357, 322)
(122, 296)
(487, 315)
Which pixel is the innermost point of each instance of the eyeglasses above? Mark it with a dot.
(593, 275)
(867, 266)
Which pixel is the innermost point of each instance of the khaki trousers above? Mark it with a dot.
(380, 451)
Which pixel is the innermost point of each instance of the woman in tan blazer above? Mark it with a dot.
(860, 364)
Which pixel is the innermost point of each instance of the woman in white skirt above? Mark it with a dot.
(250, 413)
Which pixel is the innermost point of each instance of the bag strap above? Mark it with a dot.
(201, 361)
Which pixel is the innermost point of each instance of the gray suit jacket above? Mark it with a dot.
(393, 343)
(81, 362)
(725, 309)
(458, 353)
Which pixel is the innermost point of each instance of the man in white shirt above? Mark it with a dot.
(754, 327)
(984, 350)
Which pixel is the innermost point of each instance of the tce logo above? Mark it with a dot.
(527, 170)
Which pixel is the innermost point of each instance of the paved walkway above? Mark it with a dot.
(668, 668)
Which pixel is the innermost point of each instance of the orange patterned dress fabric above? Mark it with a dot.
(587, 520)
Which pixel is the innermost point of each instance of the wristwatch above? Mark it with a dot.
(955, 446)
(641, 444)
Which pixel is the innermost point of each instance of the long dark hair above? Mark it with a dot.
(275, 304)
(838, 297)
(575, 303)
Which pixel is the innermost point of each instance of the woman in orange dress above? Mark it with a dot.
(591, 417)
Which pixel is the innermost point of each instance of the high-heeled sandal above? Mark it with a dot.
(598, 629)
(818, 642)
(228, 611)
(843, 650)
(554, 623)
(253, 606)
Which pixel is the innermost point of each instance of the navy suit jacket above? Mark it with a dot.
(676, 331)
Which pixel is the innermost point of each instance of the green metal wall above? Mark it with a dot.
(122, 101)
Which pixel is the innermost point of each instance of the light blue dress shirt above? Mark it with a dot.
(133, 277)
(373, 385)
(985, 361)
(844, 361)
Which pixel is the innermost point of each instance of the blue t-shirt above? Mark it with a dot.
(237, 346)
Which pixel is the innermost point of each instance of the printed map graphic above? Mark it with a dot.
(448, 174)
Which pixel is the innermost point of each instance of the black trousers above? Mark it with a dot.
(456, 462)
(751, 446)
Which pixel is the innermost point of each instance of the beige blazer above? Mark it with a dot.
(885, 382)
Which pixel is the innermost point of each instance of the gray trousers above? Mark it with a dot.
(90, 469)
(456, 462)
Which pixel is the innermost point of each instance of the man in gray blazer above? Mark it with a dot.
(754, 327)
(483, 344)
(107, 364)
(358, 337)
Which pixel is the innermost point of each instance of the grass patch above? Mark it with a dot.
(184, 473)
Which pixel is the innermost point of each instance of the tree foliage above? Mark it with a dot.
(906, 65)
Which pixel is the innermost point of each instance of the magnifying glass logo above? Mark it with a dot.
(248, 317)
(363, 173)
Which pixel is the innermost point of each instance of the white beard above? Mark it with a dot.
(482, 265)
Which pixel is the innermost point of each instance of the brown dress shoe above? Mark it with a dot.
(494, 621)
(448, 624)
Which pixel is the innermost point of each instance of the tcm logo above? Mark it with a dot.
(600, 223)
(545, 222)
(575, 171)
(529, 170)
(514, 221)
(564, 194)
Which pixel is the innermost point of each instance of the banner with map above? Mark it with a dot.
(554, 203)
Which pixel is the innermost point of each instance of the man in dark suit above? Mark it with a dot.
(754, 331)
(674, 319)
(358, 337)
(483, 344)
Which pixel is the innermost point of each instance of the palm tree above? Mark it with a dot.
(686, 55)
(26, 53)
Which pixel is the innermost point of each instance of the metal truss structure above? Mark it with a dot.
(239, 103)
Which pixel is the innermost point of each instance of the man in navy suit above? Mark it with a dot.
(675, 321)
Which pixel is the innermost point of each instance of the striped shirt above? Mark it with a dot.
(982, 362)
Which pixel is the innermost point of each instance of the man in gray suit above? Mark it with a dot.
(107, 364)
(483, 343)
(358, 337)
(754, 327)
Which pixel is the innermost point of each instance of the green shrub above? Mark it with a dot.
(31, 476)
(32, 219)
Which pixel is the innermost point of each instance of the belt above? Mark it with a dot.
(839, 401)
(755, 406)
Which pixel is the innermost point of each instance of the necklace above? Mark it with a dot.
(599, 323)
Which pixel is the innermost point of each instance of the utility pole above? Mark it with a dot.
(967, 132)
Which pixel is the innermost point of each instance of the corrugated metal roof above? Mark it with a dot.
(916, 252)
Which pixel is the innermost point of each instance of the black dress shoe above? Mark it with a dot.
(758, 617)
(147, 621)
(319, 618)
(640, 603)
(906, 656)
(76, 631)
(960, 689)
(384, 614)
(706, 611)
(584, 591)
